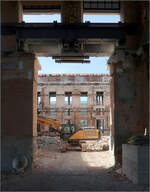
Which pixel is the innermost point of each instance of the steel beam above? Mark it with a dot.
(70, 57)
(69, 31)
(72, 61)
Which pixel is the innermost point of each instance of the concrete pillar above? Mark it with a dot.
(19, 106)
(129, 97)
(72, 12)
(11, 11)
(133, 12)
(19, 94)
(129, 84)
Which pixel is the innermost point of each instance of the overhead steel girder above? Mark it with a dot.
(69, 31)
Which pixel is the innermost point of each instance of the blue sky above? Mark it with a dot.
(48, 65)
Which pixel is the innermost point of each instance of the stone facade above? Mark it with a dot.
(89, 103)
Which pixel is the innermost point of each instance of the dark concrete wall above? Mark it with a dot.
(19, 88)
(129, 68)
(72, 11)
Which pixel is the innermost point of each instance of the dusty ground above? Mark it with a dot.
(70, 171)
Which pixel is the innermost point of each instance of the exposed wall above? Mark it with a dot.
(76, 84)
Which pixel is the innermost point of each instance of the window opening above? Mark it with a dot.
(100, 98)
(39, 99)
(97, 18)
(52, 98)
(41, 18)
(83, 122)
(84, 98)
(68, 98)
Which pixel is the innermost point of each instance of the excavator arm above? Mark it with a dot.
(47, 121)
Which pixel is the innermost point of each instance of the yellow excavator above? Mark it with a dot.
(47, 121)
(70, 136)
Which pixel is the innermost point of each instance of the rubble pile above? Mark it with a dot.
(44, 141)
(101, 145)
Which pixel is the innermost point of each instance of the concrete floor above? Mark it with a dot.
(70, 171)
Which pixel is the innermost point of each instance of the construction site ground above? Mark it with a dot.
(70, 171)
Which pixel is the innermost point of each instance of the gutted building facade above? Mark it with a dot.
(126, 43)
(79, 99)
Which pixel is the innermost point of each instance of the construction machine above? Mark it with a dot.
(70, 136)
(47, 121)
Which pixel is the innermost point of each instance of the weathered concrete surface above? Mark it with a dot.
(19, 89)
(15, 146)
(129, 66)
(70, 171)
(72, 12)
(129, 102)
(135, 163)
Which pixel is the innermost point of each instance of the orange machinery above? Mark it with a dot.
(69, 135)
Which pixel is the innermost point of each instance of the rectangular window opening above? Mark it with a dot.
(84, 98)
(68, 98)
(100, 111)
(52, 98)
(84, 123)
(100, 98)
(39, 99)
(42, 18)
(100, 125)
(101, 18)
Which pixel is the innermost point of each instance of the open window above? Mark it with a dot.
(84, 98)
(52, 98)
(100, 98)
(68, 98)
(42, 18)
(39, 99)
(83, 123)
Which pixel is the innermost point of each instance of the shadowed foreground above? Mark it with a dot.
(70, 171)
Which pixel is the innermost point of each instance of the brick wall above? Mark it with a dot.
(76, 84)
